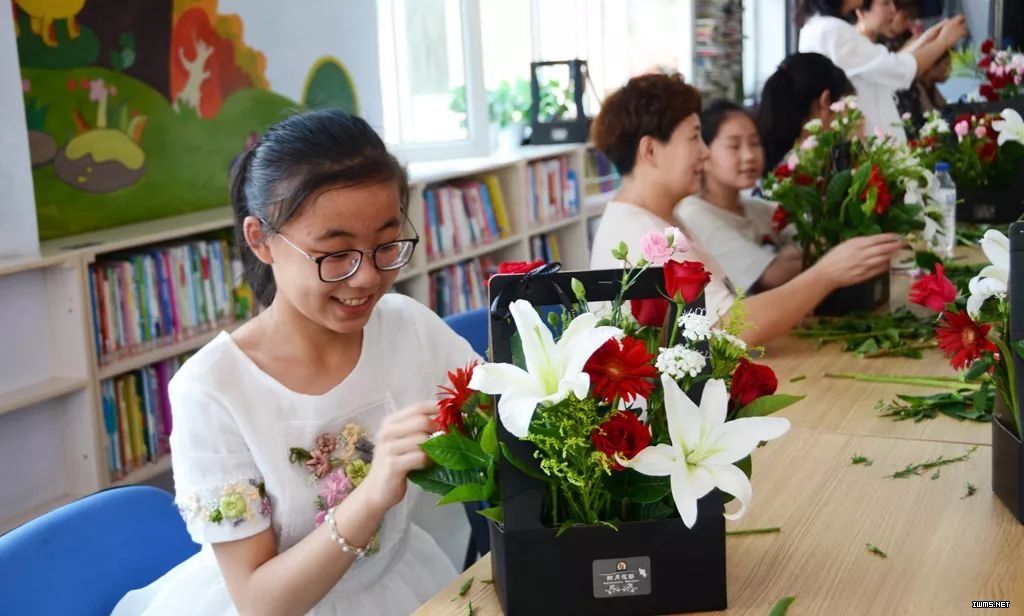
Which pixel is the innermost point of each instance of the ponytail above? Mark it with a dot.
(258, 274)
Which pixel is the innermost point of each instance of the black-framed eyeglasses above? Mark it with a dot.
(338, 266)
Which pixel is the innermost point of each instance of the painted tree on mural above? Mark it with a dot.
(208, 59)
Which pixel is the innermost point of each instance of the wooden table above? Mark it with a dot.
(944, 550)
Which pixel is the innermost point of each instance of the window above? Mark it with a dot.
(431, 88)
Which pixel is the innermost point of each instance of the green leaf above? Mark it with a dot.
(837, 187)
(492, 513)
(491, 486)
(489, 438)
(637, 487)
(766, 405)
(439, 480)
(654, 511)
(780, 607)
(978, 368)
(467, 492)
(456, 452)
(529, 472)
(926, 260)
(298, 455)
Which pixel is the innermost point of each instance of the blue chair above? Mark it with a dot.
(472, 325)
(83, 557)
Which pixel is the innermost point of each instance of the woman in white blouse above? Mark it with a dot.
(876, 72)
(651, 131)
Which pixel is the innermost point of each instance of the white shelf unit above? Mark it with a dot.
(52, 436)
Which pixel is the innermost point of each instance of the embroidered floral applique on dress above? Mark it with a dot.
(337, 463)
(234, 503)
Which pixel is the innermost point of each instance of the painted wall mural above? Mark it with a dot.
(136, 110)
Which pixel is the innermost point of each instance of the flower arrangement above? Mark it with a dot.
(838, 185)
(601, 397)
(975, 146)
(1003, 69)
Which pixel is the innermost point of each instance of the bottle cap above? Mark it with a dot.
(941, 166)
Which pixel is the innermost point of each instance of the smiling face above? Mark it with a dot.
(680, 160)
(736, 158)
(352, 218)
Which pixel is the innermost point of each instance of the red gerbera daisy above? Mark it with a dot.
(453, 399)
(963, 340)
(622, 370)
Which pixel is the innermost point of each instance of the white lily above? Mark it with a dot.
(553, 370)
(991, 280)
(996, 247)
(705, 448)
(1010, 128)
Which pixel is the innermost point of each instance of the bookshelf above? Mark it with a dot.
(54, 445)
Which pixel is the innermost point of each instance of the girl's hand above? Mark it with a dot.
(396, 452)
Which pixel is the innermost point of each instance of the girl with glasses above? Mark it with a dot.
(293, 436)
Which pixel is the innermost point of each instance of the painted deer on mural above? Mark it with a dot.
(192, 92)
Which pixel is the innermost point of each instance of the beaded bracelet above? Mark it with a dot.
(344, 545)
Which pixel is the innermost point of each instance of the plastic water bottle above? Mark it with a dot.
(945, 194)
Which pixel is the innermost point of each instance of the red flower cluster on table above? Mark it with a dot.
(750, 381)
(962, 339)
(622, 435)
(453, 399)
(883, 198)
(933, 291)
(1003, 69)
(621, 370)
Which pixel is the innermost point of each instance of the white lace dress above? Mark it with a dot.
(235, 473)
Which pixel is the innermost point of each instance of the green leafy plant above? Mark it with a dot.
(507, 105)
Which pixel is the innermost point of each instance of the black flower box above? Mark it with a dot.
(861, 297)
(662, 566)
(992, 205)
(1007, 467)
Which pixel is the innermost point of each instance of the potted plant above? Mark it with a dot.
(507, 108)
(604, 446)
(984, 164)
(838, 185)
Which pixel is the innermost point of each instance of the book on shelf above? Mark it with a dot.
(545, 247)
(461, 215)
(552, 190)
(165, 294)
(601, 174)
(137, 416)
(461, 286)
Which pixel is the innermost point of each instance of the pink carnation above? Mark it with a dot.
(838, 107)
(961, 129)
(980, 132)
(792, 161)
(879, 133)
(809, 144)
(655, 248)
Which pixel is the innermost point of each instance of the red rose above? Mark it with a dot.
(999, 81)
(686, 280)
(622, 434)
(802, 179)
(987, 46)
(988, 92)
(782, 171)
(750, 381)
(649, 312)
(933, 291)
(985, 62)
(988, 152)
(779, 219)
(519, 267)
